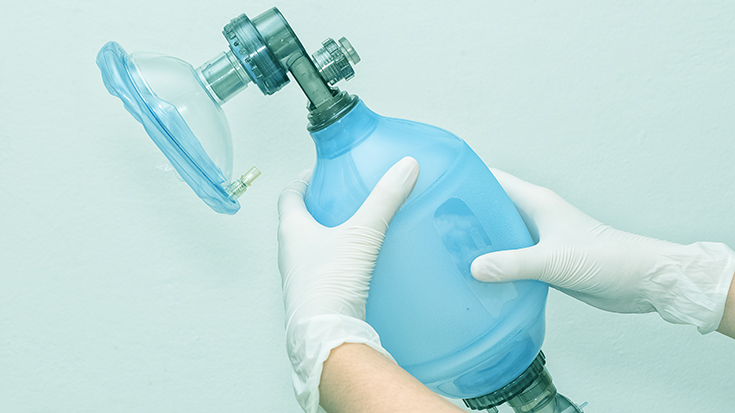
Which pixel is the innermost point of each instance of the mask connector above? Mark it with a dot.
(252, 50)
(239, 186)
(223, 76)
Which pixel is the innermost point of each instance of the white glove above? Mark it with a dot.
(326, 274)
(610, 269)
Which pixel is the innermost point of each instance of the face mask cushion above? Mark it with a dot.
(165, 125)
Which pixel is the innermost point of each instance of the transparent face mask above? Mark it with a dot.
(191, 130)
(175, 82)
(180, 106)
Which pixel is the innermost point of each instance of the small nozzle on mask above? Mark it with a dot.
(239, 186)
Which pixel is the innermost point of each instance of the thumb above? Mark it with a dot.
(511, 265)
(388, 196)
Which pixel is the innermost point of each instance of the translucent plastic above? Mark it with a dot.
(175, 81)
(460, 337)
(165, 123)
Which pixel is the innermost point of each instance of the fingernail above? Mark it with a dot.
(406, 169)
(484, 270)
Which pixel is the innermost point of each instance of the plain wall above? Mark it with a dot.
(121, 291)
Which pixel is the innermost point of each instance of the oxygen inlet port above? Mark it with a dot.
(333, 60)
(238, 187)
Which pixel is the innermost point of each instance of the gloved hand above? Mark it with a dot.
(326, 274)
(610, 269)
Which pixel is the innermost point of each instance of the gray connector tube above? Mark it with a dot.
(263, 50)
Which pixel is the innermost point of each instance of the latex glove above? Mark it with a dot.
(326, 274)
(611, 269)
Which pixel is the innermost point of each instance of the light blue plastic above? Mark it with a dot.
(461, 338)
(165, 125)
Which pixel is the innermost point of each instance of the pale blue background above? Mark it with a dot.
(120, 291)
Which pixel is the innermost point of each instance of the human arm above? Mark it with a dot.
(727, 326)
(356, 379)
(325, 276)
(610, 269)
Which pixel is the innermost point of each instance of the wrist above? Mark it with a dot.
(727, 325)
(310, 341)
(690, 283)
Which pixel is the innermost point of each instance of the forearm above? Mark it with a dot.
(727, 326)
(355, 378)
